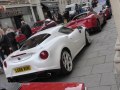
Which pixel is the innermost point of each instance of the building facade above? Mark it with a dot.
(49, 7)
(18, 10)
(63, 3)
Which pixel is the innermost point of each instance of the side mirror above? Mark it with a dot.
(79, 30)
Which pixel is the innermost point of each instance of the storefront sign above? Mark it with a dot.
(10, 12)
(13, 12)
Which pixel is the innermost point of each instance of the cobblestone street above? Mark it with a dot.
(93, 66)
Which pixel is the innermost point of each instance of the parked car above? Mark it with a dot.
(38, 26)
(20, 38)
(89, 19)
(108, 11)
(42, 25)
(46, 51)
(53, 86)
(73, 9)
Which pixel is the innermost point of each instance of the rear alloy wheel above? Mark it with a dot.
(98, 26)
(66, 62)
(88, 39)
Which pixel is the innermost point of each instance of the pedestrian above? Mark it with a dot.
(25, 29)
(108, 3)
(66, 16)
(4, 45)
(60, 18)
(94, 3)
(11, 37)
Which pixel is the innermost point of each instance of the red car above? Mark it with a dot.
(38, 26)
(108, 12)
(90, 19)
(42, 25)
(53, 86)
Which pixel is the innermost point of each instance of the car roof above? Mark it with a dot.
(49, 31)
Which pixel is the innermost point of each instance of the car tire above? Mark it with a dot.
(99, 29)
(105, 20)
(66, 62)
(87, 38)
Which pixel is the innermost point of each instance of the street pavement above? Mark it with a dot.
(93, 66)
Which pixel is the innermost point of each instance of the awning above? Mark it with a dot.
(50, 5)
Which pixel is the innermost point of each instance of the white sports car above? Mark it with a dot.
(46, 51)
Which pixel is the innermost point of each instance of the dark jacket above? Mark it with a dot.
(12, 40)
(26, 30)
(5, 44)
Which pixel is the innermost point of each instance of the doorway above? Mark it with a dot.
(18, 20)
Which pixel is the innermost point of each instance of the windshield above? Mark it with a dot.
(68, 9)
(80, 16)
(34, 41)
(65, 30)
(38, 24)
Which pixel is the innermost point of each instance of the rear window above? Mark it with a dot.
(34, 41)
(80, 16)
(65, 30)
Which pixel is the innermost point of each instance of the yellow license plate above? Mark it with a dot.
(22, 69)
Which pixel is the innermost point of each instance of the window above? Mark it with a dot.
(80, 16)
(68, 9)
(34, 41)
(65, 30)
(38, 24)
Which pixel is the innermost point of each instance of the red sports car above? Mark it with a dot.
(53, 86)
(42, 25)
(108, 12)
(38, 26)
(89, 19)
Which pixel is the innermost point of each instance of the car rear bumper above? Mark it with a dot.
(33, 76)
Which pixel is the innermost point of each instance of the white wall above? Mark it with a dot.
(28, 19)
(6, 22)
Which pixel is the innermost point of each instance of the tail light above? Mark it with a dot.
(5, 64)
(83, 87)
(44, 55)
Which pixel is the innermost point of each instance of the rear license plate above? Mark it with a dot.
(22, 69)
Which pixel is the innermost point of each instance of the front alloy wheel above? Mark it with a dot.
(66, 62)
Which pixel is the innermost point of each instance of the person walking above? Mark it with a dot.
(60, 18)
(66, 16)
(25, 29)
(11, 37)
(4, 46)
(108, 3)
